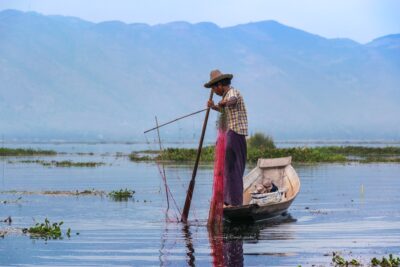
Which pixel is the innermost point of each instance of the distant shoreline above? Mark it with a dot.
(326, 154)
(303, 154)
(166, 141)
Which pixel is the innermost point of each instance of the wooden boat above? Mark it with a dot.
(283, 175)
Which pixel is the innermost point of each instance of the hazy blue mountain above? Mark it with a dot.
(63, 77)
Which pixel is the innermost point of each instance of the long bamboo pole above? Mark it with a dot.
(177, 119)
(189, 195)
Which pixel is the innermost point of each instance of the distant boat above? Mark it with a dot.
(283, 175)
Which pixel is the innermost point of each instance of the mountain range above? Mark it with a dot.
(63, 77)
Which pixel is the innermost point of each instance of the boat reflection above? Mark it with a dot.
(254, 232)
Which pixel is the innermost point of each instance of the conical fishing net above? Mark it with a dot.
(216, 205)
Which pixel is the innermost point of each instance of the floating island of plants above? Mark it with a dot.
(121, 195)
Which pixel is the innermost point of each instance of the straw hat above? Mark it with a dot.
(216, 76)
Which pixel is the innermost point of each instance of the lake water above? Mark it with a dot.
(351, 208)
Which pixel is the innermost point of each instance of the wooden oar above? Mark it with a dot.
(189, 195)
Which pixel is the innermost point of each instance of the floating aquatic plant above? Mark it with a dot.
(392, 261)
(340, 261)
(386, 262)
(122, 194)
(47, 230)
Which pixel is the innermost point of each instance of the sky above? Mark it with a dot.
(360, 20)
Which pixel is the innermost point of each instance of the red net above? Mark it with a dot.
(216, 205)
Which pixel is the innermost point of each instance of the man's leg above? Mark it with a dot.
(235, 162)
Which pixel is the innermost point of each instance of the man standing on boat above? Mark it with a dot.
(232, 105)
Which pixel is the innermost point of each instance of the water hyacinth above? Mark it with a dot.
(121, 195)
(47, 230)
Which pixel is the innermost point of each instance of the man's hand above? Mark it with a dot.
(210, 104)
(222, 103)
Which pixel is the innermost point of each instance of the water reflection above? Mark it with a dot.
(226, 251)
(189, 245)
(216, 239)
(254, 232)
(226, 243)
(233, 252)
(163, 254)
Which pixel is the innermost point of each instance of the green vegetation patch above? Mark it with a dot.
(67, 163)
(64, 163)
(253, 154)
(299, 154)
(361, 150)
(337, 260)
(391, 261)
(4, 151)
(122, 194)
(135, 156)
(386, 262)
(186, 154)
(47, 230)
(260, 145)
(260, 141)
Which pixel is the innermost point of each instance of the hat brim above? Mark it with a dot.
(217, 79)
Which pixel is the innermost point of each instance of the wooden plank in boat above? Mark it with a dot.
(273, 163)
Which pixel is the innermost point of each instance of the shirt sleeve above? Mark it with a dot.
(232, 93)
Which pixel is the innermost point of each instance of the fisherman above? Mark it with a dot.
(232, 105)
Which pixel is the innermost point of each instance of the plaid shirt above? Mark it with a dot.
(236, 114)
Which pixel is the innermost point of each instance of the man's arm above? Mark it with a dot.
(229, 102)
(223, 103)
